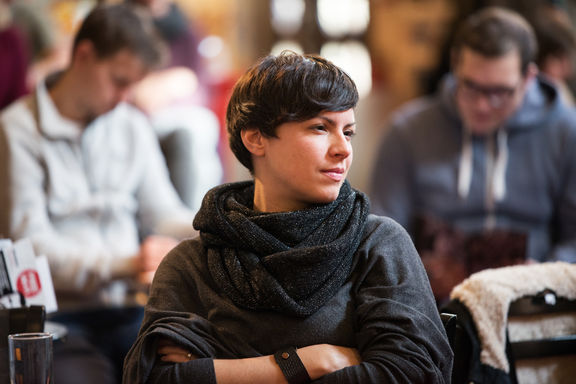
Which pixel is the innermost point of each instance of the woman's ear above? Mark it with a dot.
(253, 141)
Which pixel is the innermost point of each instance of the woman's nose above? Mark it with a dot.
(341, 146)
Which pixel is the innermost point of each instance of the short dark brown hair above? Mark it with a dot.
(285, 88)
(555, 34)
(494, 32)
(112, 28)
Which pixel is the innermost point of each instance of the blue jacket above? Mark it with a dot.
(425, 158)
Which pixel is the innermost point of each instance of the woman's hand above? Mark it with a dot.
(322, 359)
(173, 353)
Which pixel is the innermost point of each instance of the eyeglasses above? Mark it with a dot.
(497, 97)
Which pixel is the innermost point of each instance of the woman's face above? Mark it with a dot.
(305, 164)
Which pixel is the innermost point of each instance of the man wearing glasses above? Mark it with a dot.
(483, 174)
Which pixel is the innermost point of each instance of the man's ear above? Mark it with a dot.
(84, 50)
(253, 140)
(454, 59)
(531, 71)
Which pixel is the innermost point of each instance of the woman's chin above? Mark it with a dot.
(329, 195)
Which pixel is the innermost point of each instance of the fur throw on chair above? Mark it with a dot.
(488, 294)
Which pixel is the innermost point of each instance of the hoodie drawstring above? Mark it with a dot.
(465, 170)
(499, 177)
(496, 164)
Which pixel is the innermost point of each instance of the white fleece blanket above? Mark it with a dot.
(488, 294)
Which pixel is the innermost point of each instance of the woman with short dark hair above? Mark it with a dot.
(291, 280)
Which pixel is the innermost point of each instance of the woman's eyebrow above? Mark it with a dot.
(332, 122)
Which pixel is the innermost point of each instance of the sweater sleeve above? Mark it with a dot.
(174, 311)
(400, 336)
(142, 364)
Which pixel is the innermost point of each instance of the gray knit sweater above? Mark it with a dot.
(385, 309)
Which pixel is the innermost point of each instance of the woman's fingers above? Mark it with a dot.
(177, 357)
(173, 353)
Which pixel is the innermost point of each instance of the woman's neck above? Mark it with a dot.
(266, 202)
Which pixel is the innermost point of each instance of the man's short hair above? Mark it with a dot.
(285, 88)
(555, 34)
(494, 32)
(117, 27)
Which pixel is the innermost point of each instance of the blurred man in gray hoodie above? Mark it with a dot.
(484, 173)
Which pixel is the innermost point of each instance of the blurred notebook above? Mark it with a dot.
(451, 255)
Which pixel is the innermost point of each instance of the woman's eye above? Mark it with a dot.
(350, 133)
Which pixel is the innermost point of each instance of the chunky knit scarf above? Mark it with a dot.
(289, 262)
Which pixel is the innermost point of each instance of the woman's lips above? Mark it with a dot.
(336, 174)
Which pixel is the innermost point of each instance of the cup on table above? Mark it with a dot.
(30, 358)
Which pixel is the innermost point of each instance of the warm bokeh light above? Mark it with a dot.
(343, 17)
(287, 16)
(210, 46)
(354, 58)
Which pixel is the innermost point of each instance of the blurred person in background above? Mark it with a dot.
(174, 99)
(483, 173)
(556, 37)
(14, 55)
(530, 9)
(85, 180)
(48, 50)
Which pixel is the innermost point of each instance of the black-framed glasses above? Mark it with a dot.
(497, 96)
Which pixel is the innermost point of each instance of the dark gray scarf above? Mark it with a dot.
(289, 262)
